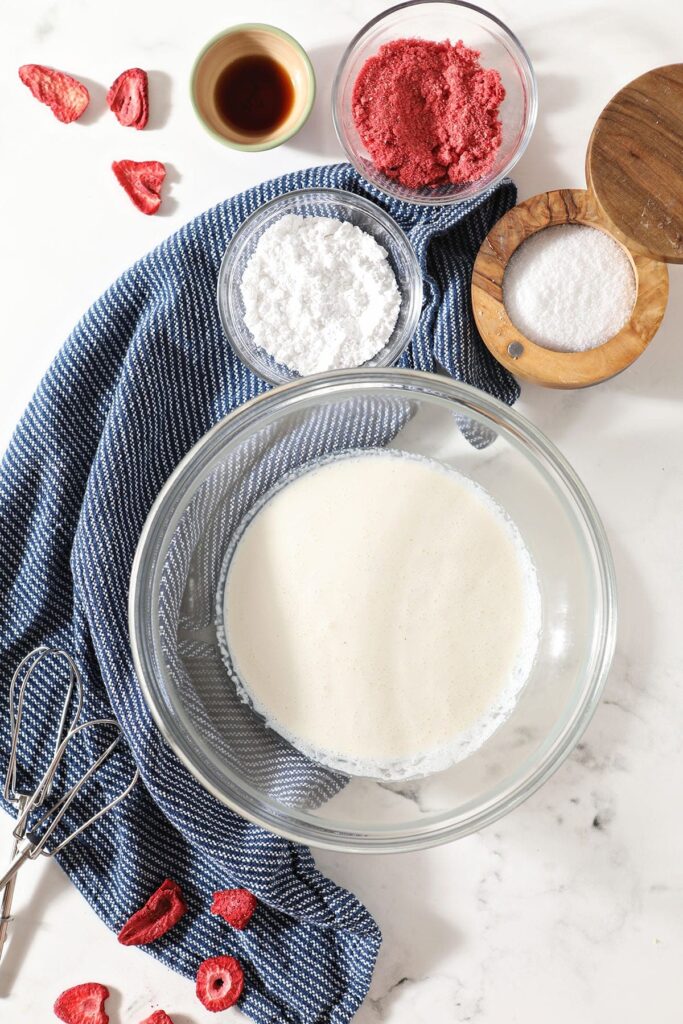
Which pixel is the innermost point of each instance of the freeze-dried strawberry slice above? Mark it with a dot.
(235, 906)
(128, 98)
(66, 97)
(160, 913)
(83, 1004)
(142, 180)
(220, 981)
(158, 1017)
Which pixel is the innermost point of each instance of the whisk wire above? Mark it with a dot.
(59, 809)
(17, 693)
(68, 727)
(21, 679)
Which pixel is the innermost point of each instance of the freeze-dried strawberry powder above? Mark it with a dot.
(427, 112)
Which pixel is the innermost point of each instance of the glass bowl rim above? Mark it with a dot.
(343, 197)
(399, 839)
(530, 123)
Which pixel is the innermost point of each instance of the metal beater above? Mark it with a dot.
(29, 803)
(17, 692)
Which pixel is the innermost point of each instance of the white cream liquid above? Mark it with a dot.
(382, 613)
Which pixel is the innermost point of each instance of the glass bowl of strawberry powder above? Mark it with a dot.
(434, 102)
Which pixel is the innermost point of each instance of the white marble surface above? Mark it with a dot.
(571, 909)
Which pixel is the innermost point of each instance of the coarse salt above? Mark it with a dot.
(319, 294)
(569, 288)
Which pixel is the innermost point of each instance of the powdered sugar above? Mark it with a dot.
(569, 288)
(319, 294)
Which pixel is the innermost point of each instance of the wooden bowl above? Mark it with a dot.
(243, 41)
(526, 359)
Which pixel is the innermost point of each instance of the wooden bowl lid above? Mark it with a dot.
(634, 164)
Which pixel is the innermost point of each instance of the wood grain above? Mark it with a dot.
(634, 163)
(515, 351)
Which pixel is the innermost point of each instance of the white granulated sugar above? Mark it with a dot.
(319, 294)
(569, 288)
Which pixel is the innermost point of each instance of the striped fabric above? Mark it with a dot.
(143, 376)
(192, 636)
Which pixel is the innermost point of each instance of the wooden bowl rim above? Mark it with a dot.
(584, 367)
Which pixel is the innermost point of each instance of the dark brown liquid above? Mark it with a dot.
(254, 94)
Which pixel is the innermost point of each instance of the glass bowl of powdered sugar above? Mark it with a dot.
(317, 280)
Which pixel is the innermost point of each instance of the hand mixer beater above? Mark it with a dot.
(29, 843)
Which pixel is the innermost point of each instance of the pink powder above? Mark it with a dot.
(428, 112)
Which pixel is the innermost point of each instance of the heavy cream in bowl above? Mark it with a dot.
(381, 612)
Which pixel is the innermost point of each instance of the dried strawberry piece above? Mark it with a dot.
(128, 98)
(160, 913)
(158, 1017)
(83, 1004)
(220, 981)
(66, 97)
(142, 180)
(235, 906)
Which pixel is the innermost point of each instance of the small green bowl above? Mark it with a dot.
(242, 41)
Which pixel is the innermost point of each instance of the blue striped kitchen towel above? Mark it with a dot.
(142, 377)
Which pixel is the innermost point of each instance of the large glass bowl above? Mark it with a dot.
(439, 20)
(177, 572)
(316, 202)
